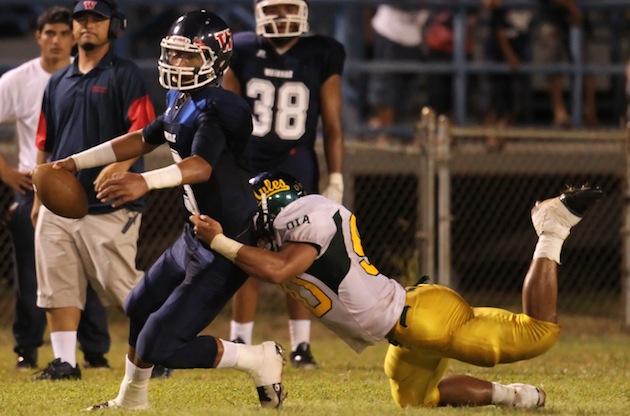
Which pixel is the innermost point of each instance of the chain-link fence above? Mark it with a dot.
(456, 205)
(453, 207)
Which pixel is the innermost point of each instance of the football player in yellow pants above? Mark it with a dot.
(438, 324)
(317, 255)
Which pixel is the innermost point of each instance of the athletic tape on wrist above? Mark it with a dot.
(100, 155)
(225, 246)
(168, 177)
(336, 178)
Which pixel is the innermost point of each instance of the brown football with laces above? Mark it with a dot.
(60, 191)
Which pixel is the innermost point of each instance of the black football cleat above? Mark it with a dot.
(27, 359)
(95, 360)
(59, 370)
(161, 372)
(302, 357)
(578, 200)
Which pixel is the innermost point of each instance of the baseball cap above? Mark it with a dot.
(99, 7)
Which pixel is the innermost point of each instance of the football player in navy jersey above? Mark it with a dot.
(207, 129)
(317, 254)
(290, 80)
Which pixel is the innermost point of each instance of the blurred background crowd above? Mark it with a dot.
(497, 63)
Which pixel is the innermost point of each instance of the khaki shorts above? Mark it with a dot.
(71, 252)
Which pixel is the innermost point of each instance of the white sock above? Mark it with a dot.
(503, 395)
(134, 388)
(64, 345)
(249, 358)
(242, 331)
(230, 352)
(548, 246)
(300, 331)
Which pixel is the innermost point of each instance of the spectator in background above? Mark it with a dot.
(291, 82)
(21, 91)
(508, 42)
(440, 42)
(397, 37)
(556, 19)
(628, 95)
(97, 97)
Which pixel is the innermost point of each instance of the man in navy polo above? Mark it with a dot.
(98, 97)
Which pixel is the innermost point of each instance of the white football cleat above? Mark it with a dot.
(111, 404)
(556, 216)
(528, 396)
(267, 375)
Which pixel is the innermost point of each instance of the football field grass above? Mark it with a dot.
(587, 373)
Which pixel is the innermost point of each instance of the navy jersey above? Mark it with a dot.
(214, 124)
(284, 90)
(83, 110)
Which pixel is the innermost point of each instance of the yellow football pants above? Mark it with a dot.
(437, 324)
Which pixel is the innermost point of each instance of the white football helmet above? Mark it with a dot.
(281, 26)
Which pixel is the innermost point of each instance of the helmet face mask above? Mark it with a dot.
(271, 24)
(273, 192)
(195, 52)
(175, 77)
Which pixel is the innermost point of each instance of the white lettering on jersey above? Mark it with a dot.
(170, 137)
(277, 73)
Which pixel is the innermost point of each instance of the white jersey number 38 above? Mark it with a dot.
(291, 104)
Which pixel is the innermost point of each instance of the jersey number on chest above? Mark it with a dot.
(290, 102)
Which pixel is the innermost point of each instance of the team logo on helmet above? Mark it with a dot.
(195, 52)
(273, 191)
(269, 188)
(224, 38)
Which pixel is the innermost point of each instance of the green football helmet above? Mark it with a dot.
(273, 192)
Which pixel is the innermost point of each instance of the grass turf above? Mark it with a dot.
(587, 373)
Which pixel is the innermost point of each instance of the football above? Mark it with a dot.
(60, 191)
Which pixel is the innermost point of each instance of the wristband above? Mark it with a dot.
(225, 246)
(102, 154)
(168, 177)
(336, 178)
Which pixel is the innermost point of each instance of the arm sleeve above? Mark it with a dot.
(319, 230)
(153, 133)
(44, 139)
(335, 57)
(140, 113)
(209, 140)
(136, 101)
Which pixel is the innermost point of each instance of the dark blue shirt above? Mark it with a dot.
(283, 91)
(80, 111)
(214, 124)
